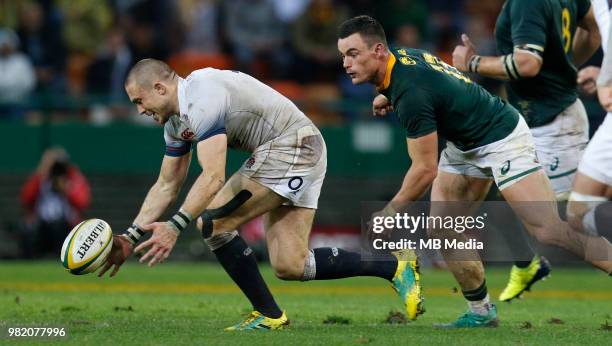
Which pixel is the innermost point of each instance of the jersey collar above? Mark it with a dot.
(387, 80)
(182, 101)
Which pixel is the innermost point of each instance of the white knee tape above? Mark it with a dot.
(588, 222)
(579, 197)
(218, 240)
(310, 267)
(589, 200)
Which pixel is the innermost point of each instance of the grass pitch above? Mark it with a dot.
(191, 303)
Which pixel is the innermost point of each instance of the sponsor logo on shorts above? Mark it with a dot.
(250, 162)
(505, 168)
(554, 165)
(187, 134)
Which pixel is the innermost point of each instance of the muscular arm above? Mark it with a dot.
(527, 65)
(522, 64)
(423, 152)
(587, 39)
(212, 153)
(165, 190)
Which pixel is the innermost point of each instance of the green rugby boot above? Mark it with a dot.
(406, 282)
(257, 321)
(472, 320)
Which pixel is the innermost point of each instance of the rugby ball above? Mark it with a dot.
(87, 246)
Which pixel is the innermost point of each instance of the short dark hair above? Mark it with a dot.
(368, 27)
(146, 70)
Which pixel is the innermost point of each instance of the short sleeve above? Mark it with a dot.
(207, 109)
(416, 112)
(583, 8)
(528, 18)
(175, 147)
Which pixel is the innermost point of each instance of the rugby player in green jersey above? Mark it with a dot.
(488, 141)
(541, 42)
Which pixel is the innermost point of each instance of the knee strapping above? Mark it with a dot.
(590, 201)
(218, 240)
(310, 267)
(211, 214)
(597, 220)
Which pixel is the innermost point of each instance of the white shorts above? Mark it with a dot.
(507, 161)
(560, 146)
(292, 166)
(597, 160)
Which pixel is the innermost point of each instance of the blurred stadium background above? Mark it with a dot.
(62, 66)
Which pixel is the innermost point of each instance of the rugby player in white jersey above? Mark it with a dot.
(589, 208)
(212, 110)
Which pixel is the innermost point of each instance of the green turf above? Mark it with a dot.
(190, 304)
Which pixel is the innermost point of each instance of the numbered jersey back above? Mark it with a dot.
(547, 26)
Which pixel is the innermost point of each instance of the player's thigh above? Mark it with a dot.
(457, 187)
(456, 195)
(287, 233)
(533, 200)
(239, 200)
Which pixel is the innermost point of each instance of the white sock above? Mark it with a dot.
(480, 307)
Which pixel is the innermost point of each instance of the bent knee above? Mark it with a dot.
(434, 233)
(210, 227)
(547, 235)
(290, 270)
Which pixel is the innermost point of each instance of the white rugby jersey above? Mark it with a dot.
(603, 13)
(601, 10)
(221, 101)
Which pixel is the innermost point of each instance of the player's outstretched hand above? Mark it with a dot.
(121, 250)
(373, 225)
(381, 106)
(463, 53)
(605, 97)
(587, 79)
(160, 244)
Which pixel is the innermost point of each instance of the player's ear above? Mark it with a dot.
(160, 88)
(379, 49)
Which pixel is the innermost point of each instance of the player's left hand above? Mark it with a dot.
(463, 53)
(587, 79)
(388, 211)
(160, 244)
(381, 106)
(605, 97)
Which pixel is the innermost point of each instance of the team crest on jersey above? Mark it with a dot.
(187, 134)
(407, 61)
(250, 162)
(185, 117)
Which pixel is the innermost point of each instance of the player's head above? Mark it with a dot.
(363, 46)
(151, 86)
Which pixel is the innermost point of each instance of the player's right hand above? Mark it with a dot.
(587, 79)
(381, 106)
(121, 250)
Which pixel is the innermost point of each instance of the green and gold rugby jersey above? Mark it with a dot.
(547, 26)
(429, 95)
